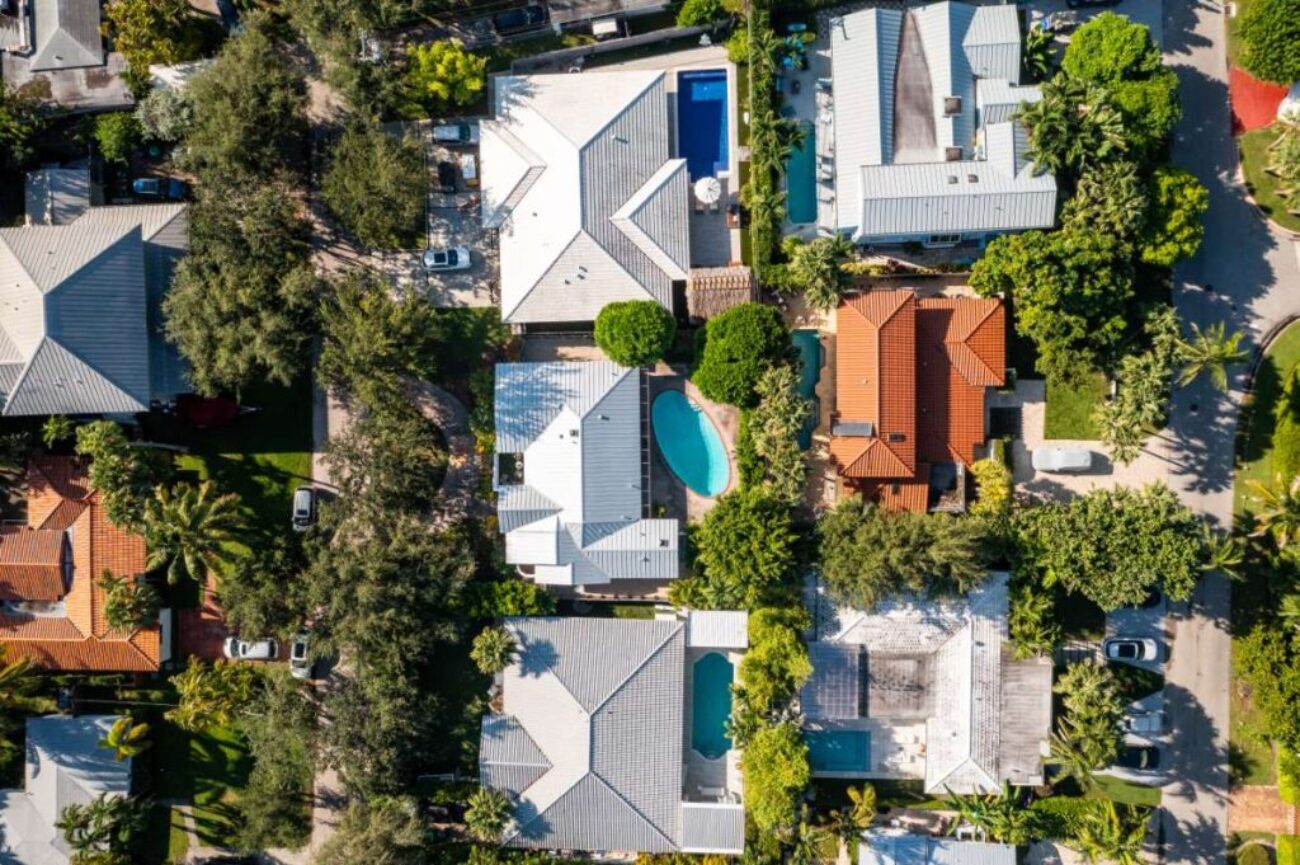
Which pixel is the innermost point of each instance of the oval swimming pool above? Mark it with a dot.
(690, 443)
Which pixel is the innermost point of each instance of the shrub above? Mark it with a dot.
(745, 550)
(776, 770)
(1288, 777)
(1174, 229)
(699, 12)
(739, 345)
(443, 73)
(165, 115)
(1270, 31)
(1254, 853)
(635, 332)
(1286, 435)
(776, 664)
(116, 134)
(993, 485)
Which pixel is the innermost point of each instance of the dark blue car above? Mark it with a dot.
(160, 188)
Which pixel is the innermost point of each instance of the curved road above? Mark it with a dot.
(1249, 275)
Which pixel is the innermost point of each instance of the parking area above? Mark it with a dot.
(1065, 20)
(454, 222)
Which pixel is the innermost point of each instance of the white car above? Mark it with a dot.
(299, 658)
(1130, 649)
(1145, 723)
(1062, 460)
(452, 258)
(262, 650)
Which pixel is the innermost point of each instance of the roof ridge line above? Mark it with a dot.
(644, 819)
(637, 669)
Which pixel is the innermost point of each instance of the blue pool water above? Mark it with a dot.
(838, 750)
(809, 345)
(711, 705)
(801, 179)
(690, 443)
(702, 121)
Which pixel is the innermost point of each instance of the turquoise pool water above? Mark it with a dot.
(711, 705)
(838, 750)
(801, 179)
(690, 443)
(809, 345)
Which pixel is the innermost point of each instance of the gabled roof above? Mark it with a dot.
(57, 196)
(591, 734)
(577, 514)
(578, 181)
(65, 766)
(31, 564)
(74, 634)
(916, 368)
(74, 337)
(67, 34)
(893, 847)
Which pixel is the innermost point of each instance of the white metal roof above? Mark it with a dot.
(578, 181)
(717, 629)
(895, 847)
(67, 34)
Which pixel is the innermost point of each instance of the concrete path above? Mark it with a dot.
(459, 497)
(1249, 276)
(1258, 809)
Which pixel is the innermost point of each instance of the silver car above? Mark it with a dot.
(1063, 460)
(261, 650)
(453, 258)
(1130, 649)
(300, 658)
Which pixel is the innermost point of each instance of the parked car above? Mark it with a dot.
(304, 508)
(1139, 764)
(160, 188)
(446, 177)
(469, 169)
(262, 650)
(299, 657)
(453, 258)
(1145, 723)
(1131, 649)
(1061, 460)
(520, 19)
(456, 133)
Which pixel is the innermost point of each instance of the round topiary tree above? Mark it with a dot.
(739, 345)
(635, 332)
(1254, 854)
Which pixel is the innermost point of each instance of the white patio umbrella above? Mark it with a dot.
(708, 189)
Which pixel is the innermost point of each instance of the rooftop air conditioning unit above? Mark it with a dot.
(951, 105)
(952, 154)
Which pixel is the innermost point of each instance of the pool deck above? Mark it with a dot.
(680, 501)
(897, 749)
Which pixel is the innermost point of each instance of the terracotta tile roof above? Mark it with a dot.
(59, 496)
(917, 369)
(31, 564)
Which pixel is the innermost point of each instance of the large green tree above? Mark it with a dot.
(103, 827)
(1267, 659)
(385, 464)
(442, 74)
(375, 187)
(123, 475)
(745, 550)
(152, 32)
(243, 302)
(1174, 229)
(129, 602)
(381, 831)
(1110, 199)
(212, 695)
(190, 530)
(1111, 833)
(249, 108)
(280, 730)
(776, 664)
(635, 332)
(815, 270)
(1073, 127)
(22, 116)
(262, 593)
(1071, 291)
(869, 554)
(1270, 32)
(739, 345)
(777, 770)
(1114, 546)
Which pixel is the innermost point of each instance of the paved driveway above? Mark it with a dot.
(1253, 279)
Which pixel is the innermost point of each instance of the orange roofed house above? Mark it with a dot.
(910, 380)
(53, 607)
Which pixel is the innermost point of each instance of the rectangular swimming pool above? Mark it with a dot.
(838, 750)
(702, 121)
(809, 345)
(711, 705)
(801, 179)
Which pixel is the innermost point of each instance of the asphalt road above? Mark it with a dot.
(1247, 274)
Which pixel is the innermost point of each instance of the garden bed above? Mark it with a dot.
(1253, 149)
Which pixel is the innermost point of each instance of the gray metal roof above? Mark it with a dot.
(895, 848)
(508, 758)
(75, 309)
(909, 88)
(57, 196)
(601, 701)
(579, 511)
(568, 11)
(589, 206)
(713, 827)
(67, 34)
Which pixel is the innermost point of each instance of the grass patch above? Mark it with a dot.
(1234, 32)
(905, 794)
(165, 839)
(207, 769)
(1288, 850)
(1123, 792)
(1253, 147)
(1070, 408)
(1256, 438)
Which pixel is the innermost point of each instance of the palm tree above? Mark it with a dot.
(106, 823)
(1279, 510)
(1121, 430)
(848, 823)
(129, 603)
(187, 529)
(493, 650)
(487, 814)
(18, 698)
(1284, 159)
(1000, 817)
(815, 267)
(1289, 609)
(807, 848)
(1079, 749)
(1224, 551)
(1210, 351)
(1112, 833)
(126, 739)
(1036, 55)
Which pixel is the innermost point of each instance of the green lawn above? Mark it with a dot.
(1070, 408)
(1262, 185)
(1288, 850)
(207, 769)
(1123, 792)
(1234, 43)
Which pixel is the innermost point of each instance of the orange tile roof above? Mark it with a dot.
(59, 496)
(916, 368)
(31, 564)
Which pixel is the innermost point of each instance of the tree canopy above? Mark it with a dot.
(383, 831)
(263, 593)
(1270, 32)
(776, 767)
(375, 187)
(869, 554)
(1114, 546)
(739, 345)
(745, 550)
(22, 116)
(772, 429)
(635, 332)
(1175, 229)
(1070, 290)
(443, 74)
(152, 32)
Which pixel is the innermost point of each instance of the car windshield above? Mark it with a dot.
(299, 651)
(452, 258)
(1126, 650)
